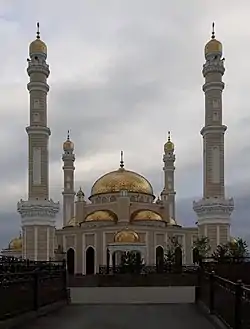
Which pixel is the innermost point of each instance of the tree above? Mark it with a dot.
(238, 249)
(202, 245)
(221, 253)
(169, 253)
(235, 250)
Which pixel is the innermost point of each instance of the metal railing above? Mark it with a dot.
(229, 301)
(146, 269)
(30, 288)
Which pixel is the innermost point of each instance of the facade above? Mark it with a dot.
(122, 212)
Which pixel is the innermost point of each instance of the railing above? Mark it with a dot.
(227, 300)
(30, 290)
(230, 268)
(146, 269)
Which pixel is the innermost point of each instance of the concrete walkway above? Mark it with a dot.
(177, 316)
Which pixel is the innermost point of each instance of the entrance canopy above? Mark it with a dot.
(127, 240)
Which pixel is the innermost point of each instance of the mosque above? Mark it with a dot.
(121, 213)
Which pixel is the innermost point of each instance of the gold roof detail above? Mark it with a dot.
(38, 46)
(233, 240)
(16, 244)
(146, 215)
(68, 144)
(100, 215)
(126, 236)
(213, 46)
(169, 146)
(172, 221)
(122, 179)
(72, 222)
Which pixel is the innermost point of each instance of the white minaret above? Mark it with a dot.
(38, 212)
(168, 193)
(68, 193)
(213, 210)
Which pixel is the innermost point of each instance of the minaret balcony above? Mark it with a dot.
(38, 67)
(208, 209)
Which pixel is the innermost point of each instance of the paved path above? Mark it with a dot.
(177, 316)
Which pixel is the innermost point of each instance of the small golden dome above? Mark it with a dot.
(213, 45)
(146, 215)
(122, 179)
(172, 221)
(100, 215)
(38, 46)
(126, 236)
(169, 146)
(68, 145)
(72, 222)
(16, 244)
(233, 240)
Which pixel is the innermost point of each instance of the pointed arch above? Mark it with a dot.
(90, 260)
(159, 256)
(71, 261)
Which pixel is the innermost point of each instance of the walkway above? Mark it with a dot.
(177, 316)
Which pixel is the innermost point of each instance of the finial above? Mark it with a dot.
(169, 136)
(68, 136)
(38, 30)
(121, 162)
(213, 31)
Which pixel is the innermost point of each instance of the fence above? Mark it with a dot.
(233, 269)
(29, 286)
(228, 300)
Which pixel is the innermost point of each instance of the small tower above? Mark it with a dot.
(168, 193)
(68, 193)
(80, 203)
(38, 212)
(214, 210)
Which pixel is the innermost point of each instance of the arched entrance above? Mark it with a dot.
(90, 260)
(159, 258)
(71, 261)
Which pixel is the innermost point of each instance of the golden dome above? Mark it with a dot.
(126, 236)
(122, 179)
(146, 215)
(172, 221)
(37, 46)
(213, 46)
(72, 222)
(16, 244)
(68, 145)
(233, 240)
(169, 146)
(100, 215)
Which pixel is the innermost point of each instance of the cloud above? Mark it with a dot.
(122, 75)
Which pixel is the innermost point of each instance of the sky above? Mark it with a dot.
(123, 73)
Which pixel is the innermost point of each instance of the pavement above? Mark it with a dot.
(162, 316)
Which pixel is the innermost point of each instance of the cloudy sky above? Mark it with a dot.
(123, 73)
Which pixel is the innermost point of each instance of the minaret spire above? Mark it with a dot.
(122, 161)
(37, 30)
(213, 31)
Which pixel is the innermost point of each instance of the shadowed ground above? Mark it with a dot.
(177, 316)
